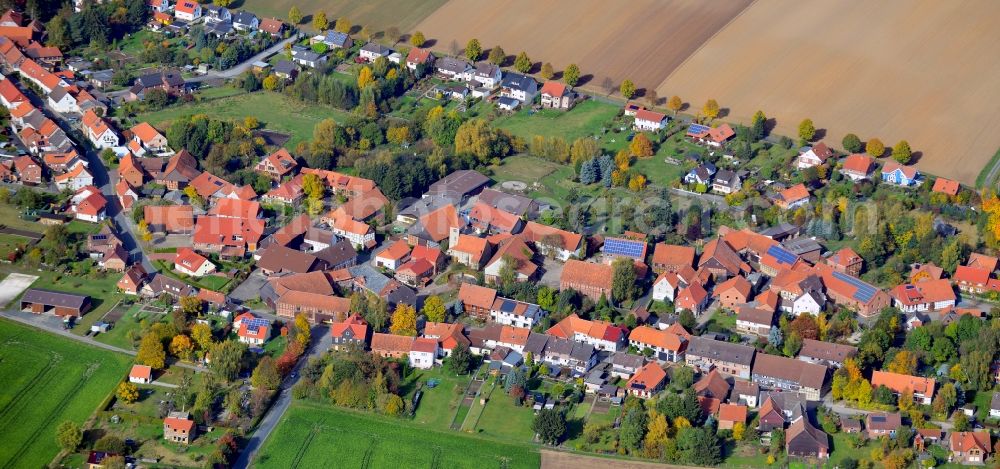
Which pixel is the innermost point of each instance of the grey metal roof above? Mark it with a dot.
(54, 298)
(518, 81)
(718, 350)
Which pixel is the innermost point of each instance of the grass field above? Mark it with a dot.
(438, 405)
(11, 217)
(309, 434)
(584, 120)
(377, 14)
(47, 379)
(767, 59)
(274, 111)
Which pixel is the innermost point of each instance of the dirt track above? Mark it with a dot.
(924, 71)
(642, 40)
(558, 460)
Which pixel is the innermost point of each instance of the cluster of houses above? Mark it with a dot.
(217, 20)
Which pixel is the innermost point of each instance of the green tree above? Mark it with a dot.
(69, 436)
(807, 130)
(110, 444)
(549, 425)
(633, 428)
(682, 377)
(434, 309)
(758, 124)
(294, 15)
(875, 148)
(902, 153)
(227, 359)
(571, 75)
(792, 345)
(320, 23)
(699, 446)
(622, 279)
(417, 39)
(151, 352)
(852, 144)
(460, 360)
(265, 375)
(522, 63)
(547, 71)
(473, 49)
(497, 56)
(627, 89)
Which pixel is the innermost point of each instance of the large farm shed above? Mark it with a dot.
(61, 304)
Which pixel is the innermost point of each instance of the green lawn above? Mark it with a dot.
(129, 322)
(9, 243)
(502, 419)
(47, 380)
(438, 405)
(211, 282)
(309, 434)
(10, 216)
(841, 448)
(274, 111)
(721, 321)
(586, 119)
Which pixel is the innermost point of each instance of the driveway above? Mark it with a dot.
(552, 270)
(239, 69)
(250, 288)
(13, 285)
(274, 414)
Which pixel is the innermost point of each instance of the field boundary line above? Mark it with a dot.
(705, 42)
(43, 373)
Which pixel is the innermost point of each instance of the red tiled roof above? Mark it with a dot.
(899, 382)
(477, 296)
(141, 372)
(657, 338)
(670, 254)
(946, 186)
(971, 275)
(859, 164)
(418, 55)
(553, 88)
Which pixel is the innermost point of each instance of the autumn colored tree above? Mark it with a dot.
(366, 33)
(343, 25)
(623, 160)
(192, 305)
(365, 77)
(69, 435)
(904, 362)
(875, 148)
(473, 49)
(417, 39)
(294, 15)
(902, 153)
(675, 104)
(434, 309)
(404, 320)
(805, 325)
(151, 352)
(571, 75)
(522, 63)
(266, 375)
(181, 347)
(641, 146)
(807, 130)
(127, 392)
(547, 71)
(497, 56)
(710, 109)
(320, 23)
(202, 335)
(303, 334)
(637, 183)
(627, 89)
(270, 83)
(398, 135)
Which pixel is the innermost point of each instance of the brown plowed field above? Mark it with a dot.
(642, 40)
(559, 460)
(925, 71)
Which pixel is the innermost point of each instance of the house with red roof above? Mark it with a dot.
(970, 447)
(971, 279)
(88, 204)
(487, 219)
(360, 234)
(468, 250)
(930, 295)
(946, 186)
(858, 166)
(693, 298)
(554, 242)
(846, 261)
(187, 10)
(419, 56)
(852, 292)
(423, 353)
(899, 175)
(922, 388)
(982, 261)
(793, 197)
(277, 165)
(352, 332)
(179, 428)
(227, 236)
(158, 5)
(140, 374)
(27, 170)
(145, 138)
(731, 414)
(601, 334)
(672, 257)
(191, 263)
(448, 336)
(254, 331)
(289, 192)
(127, 195)
(647, 382)
(666, 346)
(711, 136)
(272, 26)
(814, 156)
(516, 251)
(477, 301)
(133, 280)
(666, 286)
(74, 179)
(556, 95)
(649, 121)
(732, 292)
(590, 279)
(393, 256)
(99, 130)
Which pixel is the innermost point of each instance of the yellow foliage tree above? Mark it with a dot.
(127, 392)
(623, 160)
(641, 146)
(404, 320)
(710, 109)
(637, 183)
(675, 104)
(365, 77)
(181, 346)
(202, 335)
(417, 39)
(302, 332)
(343, 25)
(739, 429)
(270, 83)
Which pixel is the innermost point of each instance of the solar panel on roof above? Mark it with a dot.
(623, 247)
(783, 256)
(698, 129)
(508, 306)
(878, 419)
(863, 292)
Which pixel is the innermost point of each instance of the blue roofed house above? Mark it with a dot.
(333, 40)
(702, 174)
(895, 173)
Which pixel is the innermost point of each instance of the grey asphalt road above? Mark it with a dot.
(321, 343)
(239, 69)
